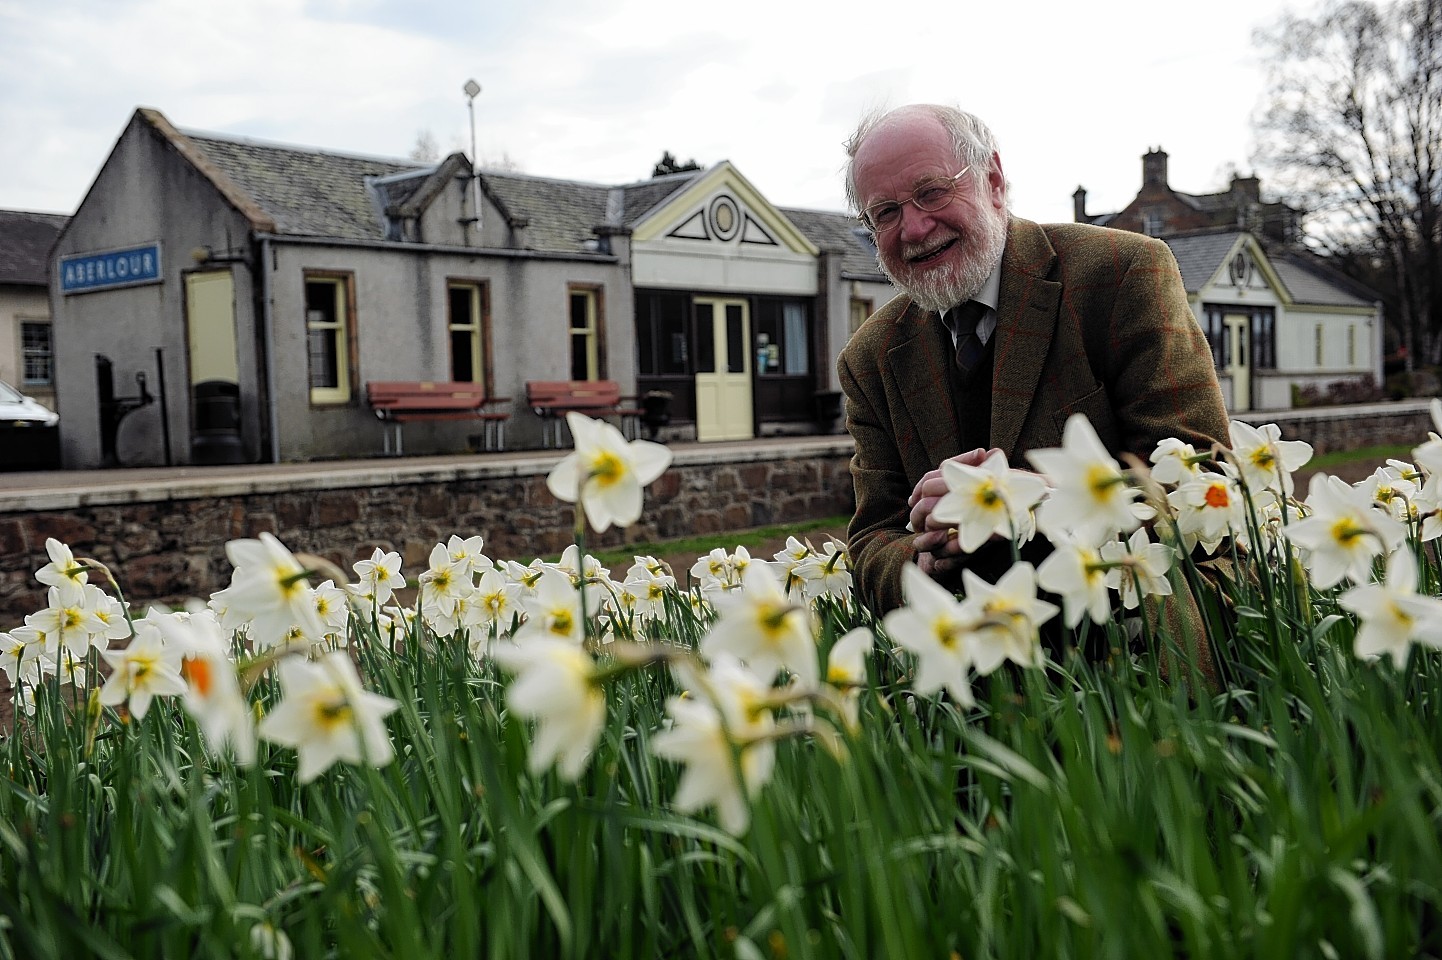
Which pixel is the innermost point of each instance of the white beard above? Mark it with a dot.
(940, 288)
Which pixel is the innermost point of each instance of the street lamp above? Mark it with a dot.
(473, 90)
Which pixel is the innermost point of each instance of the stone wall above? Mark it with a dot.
(1329, 429)
(166, 540)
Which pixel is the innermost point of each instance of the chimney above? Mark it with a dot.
(1247, 189)
(1079, 206)
(1154, 167)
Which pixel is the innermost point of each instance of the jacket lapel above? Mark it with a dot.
(1026, 324)
(919, 368)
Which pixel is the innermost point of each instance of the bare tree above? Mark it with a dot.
(426, 150)
(1352, 131)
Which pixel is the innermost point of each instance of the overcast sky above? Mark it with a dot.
(1076, 92)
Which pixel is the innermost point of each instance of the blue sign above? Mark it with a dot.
(86, 272)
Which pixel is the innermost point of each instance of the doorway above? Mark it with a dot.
(723, 369)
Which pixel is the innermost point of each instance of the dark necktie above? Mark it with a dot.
(969, 348)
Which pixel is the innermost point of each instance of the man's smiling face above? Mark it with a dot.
(942, 257)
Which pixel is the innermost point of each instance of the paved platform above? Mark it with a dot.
(64, 489)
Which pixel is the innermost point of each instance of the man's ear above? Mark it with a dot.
(996, 182)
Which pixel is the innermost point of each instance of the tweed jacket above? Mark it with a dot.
(1090, 320)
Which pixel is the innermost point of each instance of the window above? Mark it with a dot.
(327, 328)
(1152, 222)
(37, 354)
(466, 323)
(1215, 331)
(586, 363)
(860, 310)
(1264, 338)
(1319, 345)
(661, 328)
(1351, 344)
(783, 337)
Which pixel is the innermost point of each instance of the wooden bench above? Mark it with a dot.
(400, 401)
(551, 400)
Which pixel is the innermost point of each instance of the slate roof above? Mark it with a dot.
(316, 193)
(838, 231)
(1200, 256)
(25, 241)
(307, 192)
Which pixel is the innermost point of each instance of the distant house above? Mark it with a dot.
(286, 278)
(1277, 318)
(26, 343)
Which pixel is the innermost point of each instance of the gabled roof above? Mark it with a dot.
(25, 241)
(302, 191)
(306, 192)
(838, 231)
(1201, 254)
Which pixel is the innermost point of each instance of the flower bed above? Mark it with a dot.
(551, 760)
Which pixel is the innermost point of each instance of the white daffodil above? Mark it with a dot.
(715, 574)
(111, 612)
(21, 651)
(467, 550)
(1393, 615)
(333, 609)
(1266, 461)
(846, 670)
(379, 576)
(1344, 533)
(326, 716)
(68, 620)
(786, 561)
(934, 627)
(1077, 573)
(826, 574)
(553, 609)
(1174, 462)
(606, 472)
(1427, 503)
(645, 595)
(1138, 568)
(988, 499)
(726, 708)
(148, 667)
(496, 597)
(63, 569)
(444, 582)
(269, 590)
(1007, 615)
(1091, 497)
(1429, 455)
(1390, 489)
(212, 690)
(1209, 508)
(555, 684)
(761, 627)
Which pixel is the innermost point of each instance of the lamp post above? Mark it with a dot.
(473, 90)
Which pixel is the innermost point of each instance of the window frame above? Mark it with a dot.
(342, 337)
(479, 329)
(592, 331)
(47, 355)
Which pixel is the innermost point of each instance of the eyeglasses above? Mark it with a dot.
(929, 197)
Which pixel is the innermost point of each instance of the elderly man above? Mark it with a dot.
(1004, 328)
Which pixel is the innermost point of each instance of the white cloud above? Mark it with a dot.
(1075, 92)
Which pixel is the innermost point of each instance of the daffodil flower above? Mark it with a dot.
(555, 683)
(1091, 498)
(147, 668)
(326, 716)
(1265, 460)
(1393, 615)
(1344, 534)
(762, 627)
(933, 626)
(987, 500)
(606, 472)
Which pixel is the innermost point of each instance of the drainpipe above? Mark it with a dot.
(268, 361)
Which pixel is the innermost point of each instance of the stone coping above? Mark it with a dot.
(1393, 408)
(68, 490)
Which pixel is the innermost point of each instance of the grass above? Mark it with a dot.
(1379, 455)
(699, 546)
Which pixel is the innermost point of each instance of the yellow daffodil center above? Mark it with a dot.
(987, 495)
(1263, 458)
(1346, 529)
(332, 714)
(607, 468)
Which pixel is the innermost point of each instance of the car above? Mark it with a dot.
(18, 410)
